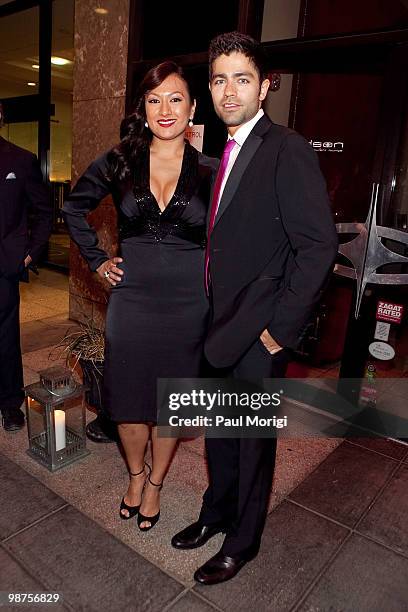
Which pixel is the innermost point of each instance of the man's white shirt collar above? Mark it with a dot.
(240, 137)
(244, 131)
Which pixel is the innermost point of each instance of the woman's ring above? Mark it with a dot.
(106, 274)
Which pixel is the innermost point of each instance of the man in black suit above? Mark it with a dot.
(272, 244)
(25, 226)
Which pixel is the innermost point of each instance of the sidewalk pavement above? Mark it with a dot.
(338, 541)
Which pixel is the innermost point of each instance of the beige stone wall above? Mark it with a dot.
(101, 42)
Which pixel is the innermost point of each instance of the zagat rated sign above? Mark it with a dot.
(386, 311)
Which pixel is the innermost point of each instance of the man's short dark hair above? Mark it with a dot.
(230, 42)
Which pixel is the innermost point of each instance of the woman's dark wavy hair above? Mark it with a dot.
(135, 138)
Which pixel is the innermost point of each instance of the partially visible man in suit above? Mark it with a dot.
(271, 247)
(25, 226)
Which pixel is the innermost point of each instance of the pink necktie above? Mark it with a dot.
(215, 203)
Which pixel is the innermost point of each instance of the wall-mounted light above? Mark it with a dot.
(31, 84)
(59, 61)
(36, 66)
(101, 11)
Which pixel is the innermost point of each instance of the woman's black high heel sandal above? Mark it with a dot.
(149, 519)
(132, 510)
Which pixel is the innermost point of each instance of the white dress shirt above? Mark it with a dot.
(240, 137)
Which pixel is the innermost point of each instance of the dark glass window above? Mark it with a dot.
(19, 53)
(348, 16)
(179, 28)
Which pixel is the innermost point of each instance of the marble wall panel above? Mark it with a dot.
(101, 43)
(82, 281)
(87, 311)
(80, 309)
(98, 108)
(99, 315)
(96, 126)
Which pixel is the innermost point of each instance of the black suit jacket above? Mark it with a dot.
(25, 209)
(272, 246)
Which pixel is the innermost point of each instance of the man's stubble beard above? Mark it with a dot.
(232, 121)
(238, 119)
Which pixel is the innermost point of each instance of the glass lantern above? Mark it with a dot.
(56, 419)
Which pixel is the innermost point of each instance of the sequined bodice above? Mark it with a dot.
(184, 215)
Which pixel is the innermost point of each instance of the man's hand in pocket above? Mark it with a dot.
(269, 343)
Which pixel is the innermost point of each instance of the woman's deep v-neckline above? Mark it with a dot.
(179, 180)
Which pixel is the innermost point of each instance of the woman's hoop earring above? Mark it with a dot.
(146, 124)
(190, 123)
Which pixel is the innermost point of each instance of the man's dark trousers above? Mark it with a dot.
(240, 484)
(11, 369)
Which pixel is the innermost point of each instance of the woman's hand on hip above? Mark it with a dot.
(110, 271)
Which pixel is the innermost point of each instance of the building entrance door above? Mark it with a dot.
(351, 105)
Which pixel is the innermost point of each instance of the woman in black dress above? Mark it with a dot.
(158, 309)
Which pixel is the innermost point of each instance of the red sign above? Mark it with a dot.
(386, 311)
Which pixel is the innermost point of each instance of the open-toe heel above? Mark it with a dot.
(132, 510)
(149, 519)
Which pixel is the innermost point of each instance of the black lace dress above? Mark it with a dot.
(157, 314)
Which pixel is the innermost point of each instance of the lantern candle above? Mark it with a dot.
(60, 442)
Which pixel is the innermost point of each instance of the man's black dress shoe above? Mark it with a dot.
(13, 420)
(195, 535)
(220, 568)
(102, 430)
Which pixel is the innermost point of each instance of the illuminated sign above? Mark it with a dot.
(327, 146)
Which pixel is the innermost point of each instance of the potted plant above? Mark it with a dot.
(85, 346)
